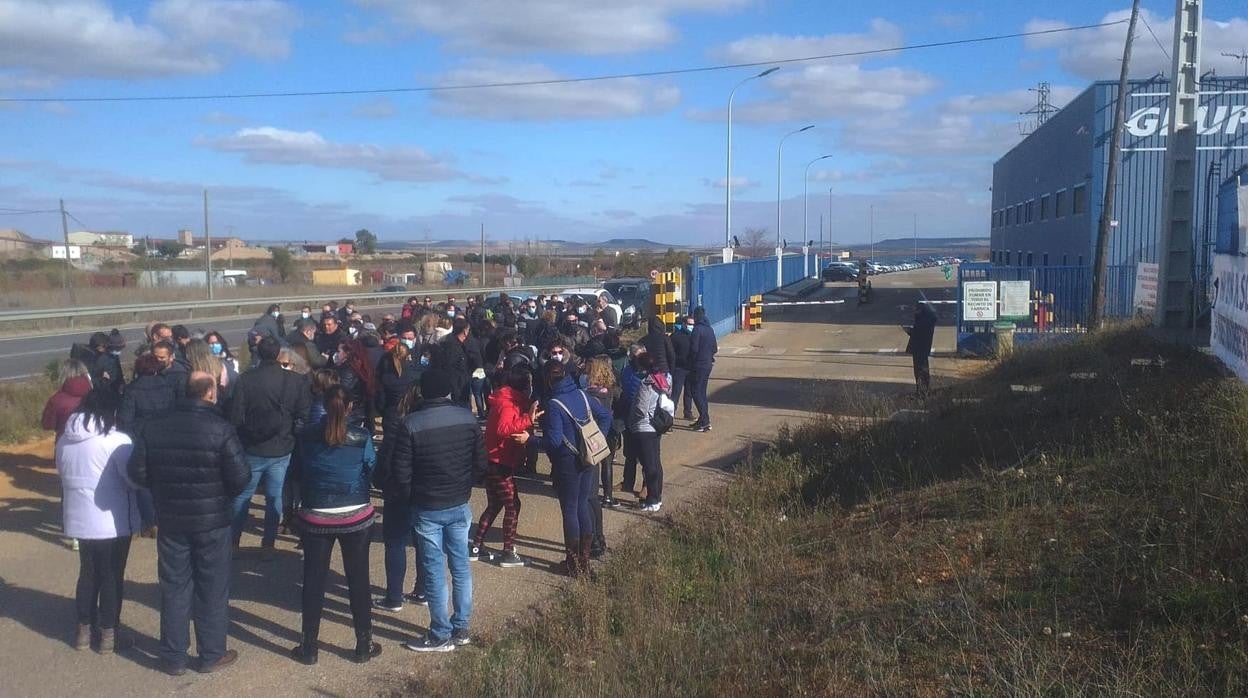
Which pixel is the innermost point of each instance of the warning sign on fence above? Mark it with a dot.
(1146, 288)
(979, 301)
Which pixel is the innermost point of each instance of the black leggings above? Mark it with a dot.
(101, 581)
(317, 548)
(647, 445)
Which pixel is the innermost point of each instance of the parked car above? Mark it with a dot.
(635, 295)
(591, 297)
(392, 289)
(839, 272)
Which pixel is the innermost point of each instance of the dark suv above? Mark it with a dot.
(632, 292)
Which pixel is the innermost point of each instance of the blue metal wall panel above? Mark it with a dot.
(723, 288)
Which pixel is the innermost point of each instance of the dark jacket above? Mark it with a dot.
(63, 403)
(362, 403)
(192, 461)
(335, 476)
(145, 397)
(269, 406)
(391, 386)
(327, 344)
(680, 348)
(474, 349)
(315, 360)
(452, 357)
(659, 346)
(106, 363)
(268, 326)
(372, 347)
(438, 453)
(920, 344)
(702, 346)
(559, 431)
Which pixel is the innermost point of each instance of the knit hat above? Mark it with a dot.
(435, 384)
(116, 341)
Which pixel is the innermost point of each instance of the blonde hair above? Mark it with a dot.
(200, 357)
(71, 368)
(600, 373)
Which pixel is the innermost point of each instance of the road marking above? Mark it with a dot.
(776, 352)
(21, 377)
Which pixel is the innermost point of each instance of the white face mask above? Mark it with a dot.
(275, 313)
(450, 314)
(305, 315)
(354, 331)
(409, 343)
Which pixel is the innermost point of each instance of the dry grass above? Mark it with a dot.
(1087, 540)
(21, 408)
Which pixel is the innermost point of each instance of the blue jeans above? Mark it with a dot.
(478, 388)
(147, 507)
(701, 377)
(442, 537)
(273, 471)
(574, 487)
(396, 532)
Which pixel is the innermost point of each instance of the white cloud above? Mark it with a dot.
(275, 146)
(1096, 54)
(564, 26)
(825, 89)
(738, 183)
(580, 100)
(1010, 102)
(43, 42)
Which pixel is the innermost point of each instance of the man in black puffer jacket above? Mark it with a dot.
(192, 461)
(438, 454)
(269, 406)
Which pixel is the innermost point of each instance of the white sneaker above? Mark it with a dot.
(652, 507)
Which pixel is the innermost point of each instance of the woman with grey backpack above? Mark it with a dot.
(650, 418)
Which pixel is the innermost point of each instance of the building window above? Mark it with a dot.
(1080, 260)
(1065, 261)
(1031, 210)
(1079, 199)
(1044, 207)
(1018, 214)
(1059, 204)
(1030, 260)
(1020, 258)
(1007, 215)
(1007, 258)
(1046, 259)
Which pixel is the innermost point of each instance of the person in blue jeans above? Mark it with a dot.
(566, 406)
(438, 453)
(269, 406)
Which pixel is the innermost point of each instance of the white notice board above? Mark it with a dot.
(979, 301)
(1016, 299)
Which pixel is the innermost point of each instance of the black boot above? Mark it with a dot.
(365, 649)
(305, 652)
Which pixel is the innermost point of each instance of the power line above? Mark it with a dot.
(1159, 44)
(84, 225)
(25, 211)
(563, 81)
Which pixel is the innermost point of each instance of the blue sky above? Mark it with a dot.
(912, 133)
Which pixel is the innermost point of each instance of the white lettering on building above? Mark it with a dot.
(1155, 121)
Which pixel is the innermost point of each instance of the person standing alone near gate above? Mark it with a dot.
(702, 350)
(920, 345)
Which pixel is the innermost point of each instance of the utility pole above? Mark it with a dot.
(207, 247)
(1096, 319)
(916, 237)
(871, 228)
(1174, 240)
(66, 284)
(1242, 57)
(483, 255)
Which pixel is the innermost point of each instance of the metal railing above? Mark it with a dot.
(188, 309)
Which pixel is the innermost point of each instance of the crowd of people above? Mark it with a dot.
(341, 410)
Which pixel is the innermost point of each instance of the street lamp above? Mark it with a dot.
(829, 221)
(728, 179)
(779, 191)
(805, 200)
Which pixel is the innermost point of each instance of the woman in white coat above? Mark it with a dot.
(101, 511)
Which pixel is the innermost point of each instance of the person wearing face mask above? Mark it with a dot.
(270, 324)
(105, 364)
(345, 313)
(452, 359)
(574, 334)
(682, 334)
(411, 310)
(397, 372)
(221, 349)
(505, 316)
(305, 313)
(526, 322)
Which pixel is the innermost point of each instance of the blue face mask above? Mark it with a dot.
(424, 361)
(409, 343)
(216, 348)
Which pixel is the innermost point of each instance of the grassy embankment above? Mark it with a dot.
(1088, 539)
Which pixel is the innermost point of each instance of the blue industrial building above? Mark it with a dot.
(1047, 191)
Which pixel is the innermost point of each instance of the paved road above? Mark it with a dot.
(23, 357)
(798, 363)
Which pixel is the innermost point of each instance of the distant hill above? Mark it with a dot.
(932, 243)
(564, 246)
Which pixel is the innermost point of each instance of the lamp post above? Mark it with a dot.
(779, 193)
(806, 201)
(829, 222)
(728, 178)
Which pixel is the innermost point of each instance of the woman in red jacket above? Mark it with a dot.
(64, 401)
(511, 416)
